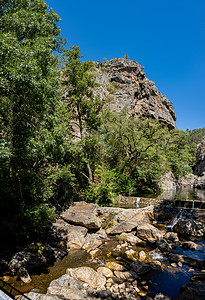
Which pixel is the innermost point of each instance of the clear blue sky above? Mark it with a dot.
(167, 37)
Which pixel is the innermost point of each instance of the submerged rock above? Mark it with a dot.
(140, 268)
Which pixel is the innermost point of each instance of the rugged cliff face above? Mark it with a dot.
(200, 165)
(200, 158)
(123, 85)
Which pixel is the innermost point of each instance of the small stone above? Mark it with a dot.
(105, 271)
(108, 284)
(146, 287)
(130, 252)
(191, 270)
(114, 266)
(179, 264)
(136, 289)
(174, 265)
(143, 282)
(142, 255)
(110, 280)
(142, 293)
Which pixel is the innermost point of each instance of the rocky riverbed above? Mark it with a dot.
(118, 253)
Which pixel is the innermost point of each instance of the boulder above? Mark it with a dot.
(198, 276)
(126, 275)
(149, 233)
(131, 238)
(191, 291)
(172, 236)
(190, 227)
(187, 260)
(189, 245)
(24, 261)
(67, 236)
(83, 214)
(23, 275)
(140, 268)
(129, 219)
(165, 246)
(92, 241)
(66, 281)
(88, 275)
(105, 271)
(114, 266)
(37, 296)
(65, 293)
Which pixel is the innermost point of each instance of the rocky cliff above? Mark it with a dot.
(200, 158)
(123, 85)
(200, 165)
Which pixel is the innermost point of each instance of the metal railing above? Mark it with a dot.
(7, 288)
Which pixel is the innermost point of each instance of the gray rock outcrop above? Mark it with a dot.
(83, 214)
(123, 85)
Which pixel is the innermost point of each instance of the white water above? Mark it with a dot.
(171, 225)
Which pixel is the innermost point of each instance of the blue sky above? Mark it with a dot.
(165, 37)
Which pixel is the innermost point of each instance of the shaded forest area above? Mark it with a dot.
(57, 142)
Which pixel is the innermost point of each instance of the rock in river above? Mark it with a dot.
(83, 214)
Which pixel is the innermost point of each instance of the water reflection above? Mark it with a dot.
(183, 193)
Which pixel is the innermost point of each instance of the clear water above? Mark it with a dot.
(183, 193)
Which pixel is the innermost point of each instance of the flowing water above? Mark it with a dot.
(168, 280)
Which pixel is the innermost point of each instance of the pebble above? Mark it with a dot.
(174, 265)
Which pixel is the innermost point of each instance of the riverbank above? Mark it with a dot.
(131, 254)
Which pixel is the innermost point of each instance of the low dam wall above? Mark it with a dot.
(140, 202)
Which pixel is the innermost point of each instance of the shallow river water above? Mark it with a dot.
(168, 281)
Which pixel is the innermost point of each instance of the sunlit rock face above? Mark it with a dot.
(123, 85)
(200, 165)
(200, 158)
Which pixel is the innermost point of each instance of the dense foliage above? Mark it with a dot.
(56, 141)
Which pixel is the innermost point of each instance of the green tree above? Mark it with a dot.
(85, 107)
(29, 84)
(133, 148)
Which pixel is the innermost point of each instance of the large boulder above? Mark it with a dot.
(66, 287)
(88, 275)
(37, 296)
(129, 219)
(140, 268)
(67, 236)
(192, 291)
(198, 263)
(24, 262)
(190, 227)
(149, 233)
(92, 241)
(83, 214)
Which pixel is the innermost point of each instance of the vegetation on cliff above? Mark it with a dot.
(57, 142)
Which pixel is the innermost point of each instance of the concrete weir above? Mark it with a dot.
(140, 202)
